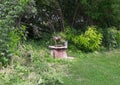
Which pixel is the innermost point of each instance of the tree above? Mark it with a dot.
(11, 12)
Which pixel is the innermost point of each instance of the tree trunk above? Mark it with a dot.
(61, 15)
(75, 13)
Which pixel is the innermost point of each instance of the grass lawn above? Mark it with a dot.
(98, 68)
(95, 69)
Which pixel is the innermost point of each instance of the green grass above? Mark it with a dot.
(95, 69)
(86, 69)
(39, 69)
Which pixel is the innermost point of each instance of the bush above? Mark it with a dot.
(111, 38)
(10, 46)
(41, 70)
(88, 41)
(11, 12)
(68, 34)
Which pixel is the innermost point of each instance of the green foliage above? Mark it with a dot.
(68, 34)
(111, 38)
(89, 41)
(10, 11)
(51, 15)
(49, 75)
(10, 47)
(41, 70)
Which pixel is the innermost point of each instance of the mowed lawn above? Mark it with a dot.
(95, 69)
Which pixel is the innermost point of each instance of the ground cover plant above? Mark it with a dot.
(92, 68)
(89, 26)
(36, 68)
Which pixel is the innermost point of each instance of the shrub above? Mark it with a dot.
(11, 12)
(68, 34)
(118, 38)
(10, 46)
(88, 41)
(111, 38)
(42, 70)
